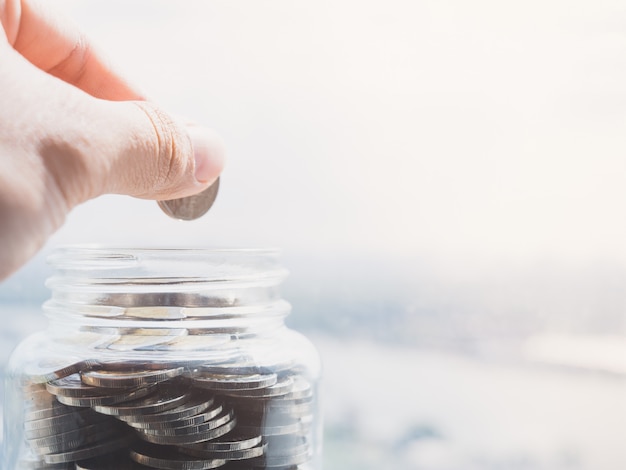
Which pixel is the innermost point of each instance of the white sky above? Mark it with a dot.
(459, 131)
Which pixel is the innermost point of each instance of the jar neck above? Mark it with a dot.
(104, 290)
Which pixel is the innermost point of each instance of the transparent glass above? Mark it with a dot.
(164, 358)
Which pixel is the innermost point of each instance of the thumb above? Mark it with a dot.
(150, 154)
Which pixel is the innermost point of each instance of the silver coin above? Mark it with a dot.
(39, 399)
(268, 419)
(296, 407)
(286, 442)
(272, 430)
(90, 451)
(240, 454)
(70, 414)
(21, 465)
(301, 389)
(72, 439)
(132, 365)
(51, 369)
(218, 421)
(163, 399)
(124, 342)
(192, 438)
(197, 404)
(73, 386)
(227, 382)
(61, 424)
(103, 399)
(283, 387)
(245, 366)
(115, 461)
(289, 444)
(154, 313)
(184, 422)
(234, 440)
(170, 458)
(128, 379)
(285, 457)
(191, 207)
(193, 343)
(29, 387)
(47, 411)
(178, 300)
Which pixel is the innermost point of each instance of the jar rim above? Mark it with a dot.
(183, 262)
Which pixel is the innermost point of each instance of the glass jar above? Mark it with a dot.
(164, 358)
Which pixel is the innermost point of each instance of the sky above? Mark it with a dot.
(476, 145)
(486, 133)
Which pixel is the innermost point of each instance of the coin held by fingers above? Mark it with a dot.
(191, 207)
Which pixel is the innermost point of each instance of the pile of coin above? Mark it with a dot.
(94, 415)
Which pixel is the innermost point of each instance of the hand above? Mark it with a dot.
(72, 129)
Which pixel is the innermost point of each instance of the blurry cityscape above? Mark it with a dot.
(517, 371)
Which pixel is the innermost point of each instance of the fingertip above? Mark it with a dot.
(209, 154)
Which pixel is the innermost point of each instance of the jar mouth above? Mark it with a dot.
(182, 263)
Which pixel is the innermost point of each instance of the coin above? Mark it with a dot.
(178, 300)
(154, 313)
(301, 389)
(284, 451)
(73, 439)
(74, 415)
(115, 461)
(230, 382)
(41, 465)
(50, 410)
(191, 207)
(39, 399)
(128, 379)
(133, 365)
(55, 368)
(87, 452)
(193, 343)
(170, 458)
(223, 418)
(239, 454)
(245, 366)
(197, 404)
(285, 461)
(234, 440)
(191, 438)
(164, 398)
(100, 398)
(123, 342)
(61, 424)
(278, 430)
(73, 386)
(191, 421)
(277, 389)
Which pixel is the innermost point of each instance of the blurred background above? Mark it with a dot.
(445, 180)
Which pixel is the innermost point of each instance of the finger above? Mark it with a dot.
(55, 45)
(159, 157)
(91, 146)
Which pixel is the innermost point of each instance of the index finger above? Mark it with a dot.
(57, 46)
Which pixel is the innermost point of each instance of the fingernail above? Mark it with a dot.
(208, 152)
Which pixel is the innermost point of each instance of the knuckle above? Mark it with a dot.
(75, 62)
(170, 147)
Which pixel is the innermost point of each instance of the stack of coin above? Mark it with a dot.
(94, 415)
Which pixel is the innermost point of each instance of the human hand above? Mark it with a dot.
(72, 129)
